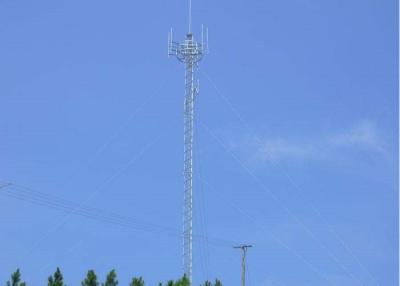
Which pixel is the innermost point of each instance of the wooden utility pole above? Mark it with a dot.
(243, 248)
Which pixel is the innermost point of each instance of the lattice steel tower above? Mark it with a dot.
(190, 52)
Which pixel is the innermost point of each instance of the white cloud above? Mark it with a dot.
(278, 149)
(362, 136)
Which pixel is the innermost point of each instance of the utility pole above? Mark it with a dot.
(243, 249)
(190, 52)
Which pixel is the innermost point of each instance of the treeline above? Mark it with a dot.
(91, 279)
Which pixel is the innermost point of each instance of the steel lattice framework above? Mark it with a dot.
(190, 52)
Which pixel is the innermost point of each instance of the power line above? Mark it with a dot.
(269, 232)
(286, 209)
(291, 181)
(94, 193)
(53, 202)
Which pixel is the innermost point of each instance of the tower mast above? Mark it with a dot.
(190, 52)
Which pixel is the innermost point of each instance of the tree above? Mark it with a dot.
(91, 279)
(137, 281)
(184, 281)
(111, 279)
(16, 279)
(57, 279)
(217, 283)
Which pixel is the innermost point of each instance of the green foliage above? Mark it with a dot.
(217, 283)
(91, 279)
(184, 281)
(137, 282)
(111, 279)
(208, 283)
(16, 279)
(57, 279)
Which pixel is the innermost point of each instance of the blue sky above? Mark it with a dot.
(296, 139)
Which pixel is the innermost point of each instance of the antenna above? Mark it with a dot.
(190, 16)
(243, 248)
(190, 52)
